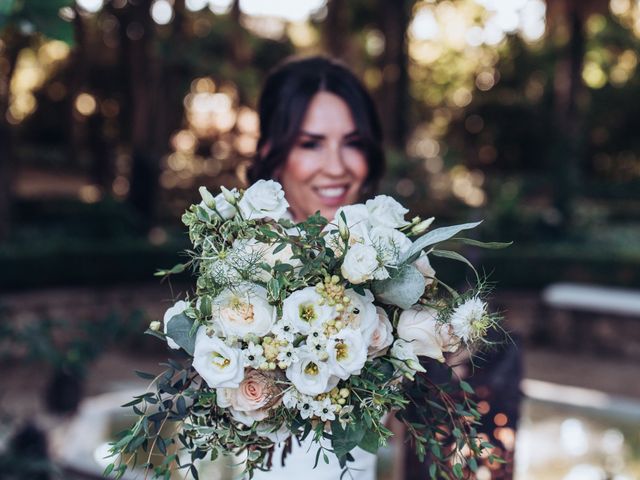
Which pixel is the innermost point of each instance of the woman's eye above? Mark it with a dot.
(355, 144)
(309, 144)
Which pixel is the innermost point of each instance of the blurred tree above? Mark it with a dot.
(20, 23)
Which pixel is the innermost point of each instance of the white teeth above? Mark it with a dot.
(332, 192)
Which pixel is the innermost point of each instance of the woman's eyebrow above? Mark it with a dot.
(315, 136)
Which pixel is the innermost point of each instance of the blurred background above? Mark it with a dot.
(523, 113)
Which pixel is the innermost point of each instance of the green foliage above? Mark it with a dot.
(42, 15)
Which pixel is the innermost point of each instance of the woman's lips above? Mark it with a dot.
(332, 196)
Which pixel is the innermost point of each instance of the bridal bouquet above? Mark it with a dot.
(315, 328)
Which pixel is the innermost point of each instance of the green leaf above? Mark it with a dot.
(457, 470)
(466, 387)
(179, 329)
(179, 268)
(436, 236)
(478, 243)
(370, 442)
(404, 290)
(144, 375)
(455, 256)
(343, 440)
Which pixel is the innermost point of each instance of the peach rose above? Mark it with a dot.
(255, 395)
(382, 336)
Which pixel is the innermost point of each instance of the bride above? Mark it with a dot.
(320, 137)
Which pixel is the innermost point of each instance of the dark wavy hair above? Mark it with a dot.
(285, 97)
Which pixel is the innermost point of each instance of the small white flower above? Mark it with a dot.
(287, 355)
(385, 211)
(325, 410)
(304, 309)
(317, 343)
(284, 330)
(347, 353)
(309, 375)
(467, 320)
(305, 406)
(217, 363)
(253, 355)
(244, 310)
(360, 263)
(405, 359)
(178, 308)
(263, 199)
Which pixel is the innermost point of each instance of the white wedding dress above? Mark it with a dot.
(299, 464)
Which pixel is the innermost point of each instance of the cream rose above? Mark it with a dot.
(255, 395)
(428, 337)
(384, 211)
(178, 308)
(382, 335)
(424, 267)
(217, 363)
(360, 263)
(243, 310)
(263, 199)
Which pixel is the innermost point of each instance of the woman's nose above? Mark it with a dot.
(334, 163)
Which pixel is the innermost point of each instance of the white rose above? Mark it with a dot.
(360, 263)
(357, 225)
(360, 313)
(384, 211)
(263, 199)
(309, 375)
(218, 364)
(303, 310)
(178, 308)
(244, 310)
(347, 353)
(382, 335)
(390, 244)
(428, 337)
(424, 267)
(405, 359)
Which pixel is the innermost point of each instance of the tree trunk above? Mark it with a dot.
(14, 43)
(394, 92)
(336, 29)
(568, 145)
(145, 168)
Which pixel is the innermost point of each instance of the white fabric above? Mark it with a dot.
(299, 463)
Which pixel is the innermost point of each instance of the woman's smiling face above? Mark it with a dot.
(326, 167)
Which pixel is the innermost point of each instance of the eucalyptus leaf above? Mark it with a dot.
(455, 256)
(179, 329)
(404, 290)
(487, 245)
(436, 236)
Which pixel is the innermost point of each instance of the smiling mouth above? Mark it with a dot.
(331, 193)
